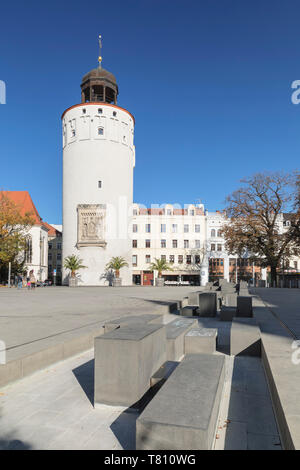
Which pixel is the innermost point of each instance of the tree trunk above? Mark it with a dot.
(273, 276)
(117, 273)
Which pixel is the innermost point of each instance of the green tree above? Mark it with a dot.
(117, 263)
(73, 263)
(160, 265)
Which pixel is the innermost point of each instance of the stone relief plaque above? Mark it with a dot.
(91, 225)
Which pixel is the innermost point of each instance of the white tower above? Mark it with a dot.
(98, 163)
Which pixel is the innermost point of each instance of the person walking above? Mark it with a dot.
(20, 281)
(32, 280)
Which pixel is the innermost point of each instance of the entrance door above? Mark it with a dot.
(147, 278)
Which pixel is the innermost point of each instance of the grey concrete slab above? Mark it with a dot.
(227, 313)
(125, 361)
(207, 304)
(175, 332)
(230, 300)
(201, 340)
(180, 416)
(131, 320)
(244, 307)
(245, 337)
(188, 311)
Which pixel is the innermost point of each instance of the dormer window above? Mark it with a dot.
(100, 131)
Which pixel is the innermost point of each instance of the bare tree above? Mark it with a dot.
(255, 220)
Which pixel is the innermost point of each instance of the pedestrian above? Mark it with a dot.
(20, 281)
(32, 280)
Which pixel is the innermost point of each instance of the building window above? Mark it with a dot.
(163, 243)
(197, 259)
(134, 260)
(59, 246)
(186, 228)
(174, 228)
(84, 110)
(58, 257)
(213, 233)
(219, 233)
(134, 228)
(163, 258)
(134, 243)
(134, 212)
(148, 259)
(172, 259)
(163, 227)
(213, 247)
(180, 259)
(186, 244)
(49, 256)
(174, 243)
(197, 228)
(99, 184)
(114, 113)
(148, 243)
(197, 243)
(100, 131)
(188, 259)
(148, 228)
(169, 212)
(73, 132)
(50, 246)
(192, 212)
(100, 111)
(219, 248)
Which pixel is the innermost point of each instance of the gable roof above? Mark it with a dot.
(24, 202)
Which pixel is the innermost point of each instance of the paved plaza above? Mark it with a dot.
(53, 408)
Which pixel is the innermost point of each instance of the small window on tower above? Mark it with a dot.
(99, 184)
(100, 111)
(114, 113)
(73, 133)
(100, 131)
(84, 111)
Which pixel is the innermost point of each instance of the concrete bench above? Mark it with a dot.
(175, 332)
(183, 414)
(207, 304)
(193, 298)
(189, 311)
(245, 337)
(244, 307)
(125, 360)
(227, 313)
(201, 340)
(132, 320)
(230, 300)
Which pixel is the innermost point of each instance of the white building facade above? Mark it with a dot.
(98, 163)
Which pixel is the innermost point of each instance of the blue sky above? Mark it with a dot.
(209, 84)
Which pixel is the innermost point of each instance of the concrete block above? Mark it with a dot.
(125, 361)
(189, 311)
(183, 414)
(245, 337)
(244, 307)
(201, 340)
(193, 298)
(132, 320)
(207, 304)
(230, 300)
(227, 313)
(175, 332)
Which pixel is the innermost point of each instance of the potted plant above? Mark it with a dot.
(160, 265)
(73, 263)
(116, 263)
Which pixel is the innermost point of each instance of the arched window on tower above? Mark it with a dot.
(213, 233)
(220, 233)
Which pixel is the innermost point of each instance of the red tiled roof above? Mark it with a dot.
(52, 231)
(24, 202)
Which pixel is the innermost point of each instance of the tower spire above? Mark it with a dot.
(100, 51)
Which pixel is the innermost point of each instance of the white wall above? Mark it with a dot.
(87, 159)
